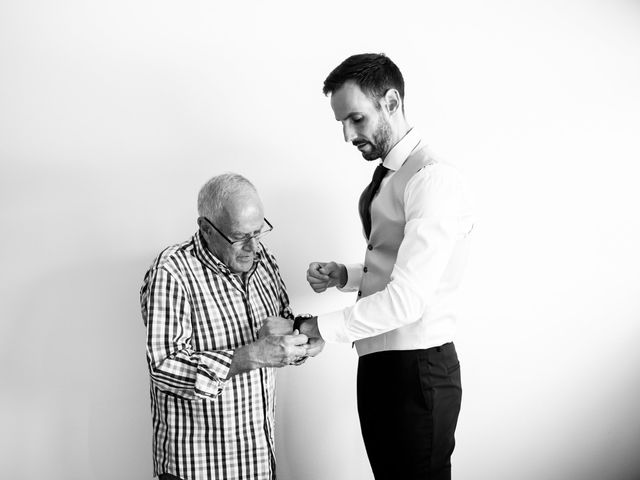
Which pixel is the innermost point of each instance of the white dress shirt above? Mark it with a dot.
(420, 299)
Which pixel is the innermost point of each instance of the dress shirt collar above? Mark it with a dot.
(214, 263)
(401, 150)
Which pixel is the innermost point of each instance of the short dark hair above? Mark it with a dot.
(374, 73)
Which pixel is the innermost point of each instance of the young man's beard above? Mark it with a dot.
(380, 141)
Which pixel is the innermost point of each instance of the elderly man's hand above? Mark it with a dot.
(275, 326)
(281, 350)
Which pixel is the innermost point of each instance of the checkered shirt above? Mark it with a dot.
(197, 312)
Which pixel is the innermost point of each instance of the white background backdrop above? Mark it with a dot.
(113, 114)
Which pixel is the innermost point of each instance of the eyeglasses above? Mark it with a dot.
(247, 238)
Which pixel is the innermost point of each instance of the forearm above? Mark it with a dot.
(308, 325)
(422, 258)
(189, 373)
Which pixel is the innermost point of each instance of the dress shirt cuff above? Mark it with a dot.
(332, 326)
(354, 276)
(213, 370)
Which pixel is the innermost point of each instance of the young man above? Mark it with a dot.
(416, 221)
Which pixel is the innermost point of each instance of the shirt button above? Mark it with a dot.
(370, 247)
(366, 269)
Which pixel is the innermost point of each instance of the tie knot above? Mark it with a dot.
(380, 172)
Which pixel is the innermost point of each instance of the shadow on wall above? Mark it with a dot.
(77, 384)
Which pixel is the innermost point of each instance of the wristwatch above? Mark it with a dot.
(297, 321)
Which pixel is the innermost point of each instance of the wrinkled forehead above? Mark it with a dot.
(349, 99)
(243, 213)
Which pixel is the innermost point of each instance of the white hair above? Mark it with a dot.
(215, 193)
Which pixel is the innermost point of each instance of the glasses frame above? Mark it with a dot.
(243, 241)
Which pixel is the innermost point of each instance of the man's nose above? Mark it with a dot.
(348, 132)
(251, 244)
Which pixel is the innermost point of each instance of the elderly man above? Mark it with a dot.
(218, 322)
(416, 220)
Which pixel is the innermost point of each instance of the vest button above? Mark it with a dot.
(359, 293)
(370, 247)
(366, 269)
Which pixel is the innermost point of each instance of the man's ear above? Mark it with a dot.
(393, 101)
(204, 226)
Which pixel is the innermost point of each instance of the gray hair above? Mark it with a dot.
(214, 194)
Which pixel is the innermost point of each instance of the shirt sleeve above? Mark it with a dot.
(172, 361)
(437, 215)
(354, 277)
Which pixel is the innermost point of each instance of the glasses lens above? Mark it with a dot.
(265, 229)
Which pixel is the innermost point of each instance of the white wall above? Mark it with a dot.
(113, 114)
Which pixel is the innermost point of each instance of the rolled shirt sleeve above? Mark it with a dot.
(437, 215)
(173, 363)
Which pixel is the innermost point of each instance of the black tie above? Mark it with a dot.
(367, 196)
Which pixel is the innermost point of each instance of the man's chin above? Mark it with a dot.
(370, 156)
(369, 153)
(243, 265)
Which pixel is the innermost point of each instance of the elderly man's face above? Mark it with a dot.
(243, 217)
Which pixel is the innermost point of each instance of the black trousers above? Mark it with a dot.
(408, 403)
